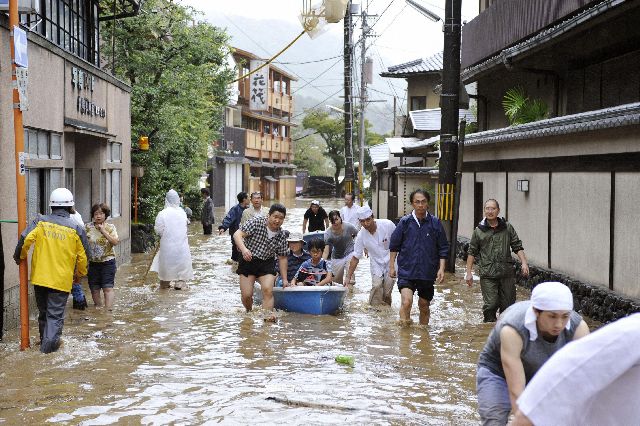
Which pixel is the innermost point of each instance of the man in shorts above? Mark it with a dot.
(339, 243)
(421, 247)
(259, 240)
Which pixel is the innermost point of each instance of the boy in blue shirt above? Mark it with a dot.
(314, 271)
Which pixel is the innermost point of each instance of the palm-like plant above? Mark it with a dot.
(519, 109)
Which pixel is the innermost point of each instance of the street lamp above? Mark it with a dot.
(423, 10)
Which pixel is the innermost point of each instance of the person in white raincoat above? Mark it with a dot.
(173, 260)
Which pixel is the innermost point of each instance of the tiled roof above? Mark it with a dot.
(379, 153)
(429, 119)
(396, 145)
(619, 116)
(419, 66)
(421, 143)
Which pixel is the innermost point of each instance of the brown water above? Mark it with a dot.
(194, 356)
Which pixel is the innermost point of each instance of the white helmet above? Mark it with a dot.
(61, 197)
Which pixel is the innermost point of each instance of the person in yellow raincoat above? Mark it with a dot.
(59, 259)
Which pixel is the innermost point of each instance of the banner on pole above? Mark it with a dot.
(20, 47)
(22, 75)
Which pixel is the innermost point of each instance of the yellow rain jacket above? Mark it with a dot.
(59, 247)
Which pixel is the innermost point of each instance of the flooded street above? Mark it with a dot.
(195, 357)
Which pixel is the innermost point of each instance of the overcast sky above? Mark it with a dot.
(402, 34)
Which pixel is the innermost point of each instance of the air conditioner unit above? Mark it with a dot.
(24, 6)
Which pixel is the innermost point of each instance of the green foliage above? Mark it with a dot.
(520, 109)
(179, 77)
(309, 154)
(194, 201)
(331, 130)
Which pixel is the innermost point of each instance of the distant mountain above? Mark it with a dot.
(319, 83)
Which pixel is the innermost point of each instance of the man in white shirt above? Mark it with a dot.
(374, 237)
(349, 213)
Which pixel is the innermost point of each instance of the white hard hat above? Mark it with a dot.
(61, 197)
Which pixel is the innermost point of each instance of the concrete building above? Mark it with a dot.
(77, 129)
(256, 151)
(569, 183)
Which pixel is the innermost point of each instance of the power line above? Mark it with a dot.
(264, 50)
(319, 103)
(308, 62)
(318, 76)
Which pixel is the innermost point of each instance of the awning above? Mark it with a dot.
(270, 178)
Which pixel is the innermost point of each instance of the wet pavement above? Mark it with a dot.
(195, 357)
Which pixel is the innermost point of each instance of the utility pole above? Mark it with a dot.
(449, 103)
(365, 78)
(21, 197)
(348, 105)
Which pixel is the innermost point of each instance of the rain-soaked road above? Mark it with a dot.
(195, 357)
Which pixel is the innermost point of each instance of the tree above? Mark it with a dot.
(331, 130)
(309, 154)
(179, 77)
(520, 109)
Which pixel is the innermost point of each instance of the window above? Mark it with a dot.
(111, 188)
(114, 152)
(40, 183)
(418, 102)
(70, 24)
(41, 144)
(115, 192)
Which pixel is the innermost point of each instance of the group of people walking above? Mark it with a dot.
(524, 355)
(66, 249)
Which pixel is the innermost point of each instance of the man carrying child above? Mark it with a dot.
(314, 271)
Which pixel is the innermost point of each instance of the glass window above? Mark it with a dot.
(33, 144)
(55, 179)
(107, 189)
(56, 146)
(116, 152)
(115, 193)
(103, 184)
(33, 194)
(68, 180)
(43, 144)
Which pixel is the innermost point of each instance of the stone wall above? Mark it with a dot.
(594, 301)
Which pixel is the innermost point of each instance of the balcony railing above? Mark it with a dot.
(506, 22)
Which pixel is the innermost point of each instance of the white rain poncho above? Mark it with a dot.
(173, 260)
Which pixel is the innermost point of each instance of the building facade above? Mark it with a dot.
(407, 161)
(77, 129)
(256, 152)
(569, 183)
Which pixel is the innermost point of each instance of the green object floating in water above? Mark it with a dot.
(346, 360)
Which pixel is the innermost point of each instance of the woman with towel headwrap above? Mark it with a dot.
(173, 260)
(526, 335)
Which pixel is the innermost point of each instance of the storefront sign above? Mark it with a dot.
(84, 83)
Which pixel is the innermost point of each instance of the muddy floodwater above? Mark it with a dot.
(195, 357)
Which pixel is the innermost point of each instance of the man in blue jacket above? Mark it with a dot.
(421, 247)
(232, 223)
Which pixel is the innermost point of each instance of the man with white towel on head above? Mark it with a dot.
(594, 381)
(526, 335)
(374, 237)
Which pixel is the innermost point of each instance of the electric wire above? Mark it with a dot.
(264, 50)
(318, 76)
(319, 103)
